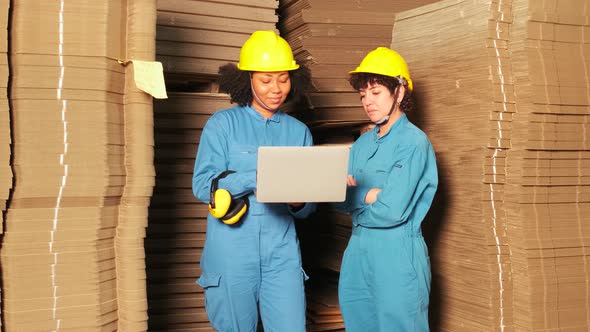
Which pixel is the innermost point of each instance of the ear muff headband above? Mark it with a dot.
(214, 186)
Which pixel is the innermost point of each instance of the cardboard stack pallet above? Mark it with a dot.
(506, 87)
(72, 251)
(194, 38)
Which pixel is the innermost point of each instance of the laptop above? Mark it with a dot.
(291, 174)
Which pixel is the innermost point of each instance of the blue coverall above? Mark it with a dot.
(257, 261)
(385, 274)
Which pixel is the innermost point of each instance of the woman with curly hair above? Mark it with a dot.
(385, 275)
(251, 262)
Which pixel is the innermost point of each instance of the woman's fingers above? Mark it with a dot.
(350, 181)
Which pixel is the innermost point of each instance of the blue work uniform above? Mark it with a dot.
(256, 261)
(385, 275)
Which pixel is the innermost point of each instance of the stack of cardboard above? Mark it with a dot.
(176, 232)
(74, 162)
(323, 240)
(548, 197)
(503, 95)
(139, 169)
(5, 140)
(463, 83)
(331, 38)
(194, 38)
(5, 169)
(323, 311)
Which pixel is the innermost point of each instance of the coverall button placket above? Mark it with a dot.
(266, 129)
(267, 230)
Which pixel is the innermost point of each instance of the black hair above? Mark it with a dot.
(360, 81)
(236, 83)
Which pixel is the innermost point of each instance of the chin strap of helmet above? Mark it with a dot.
(393, 106)
(258, 98)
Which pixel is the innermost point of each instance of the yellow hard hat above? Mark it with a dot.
(387, 62)
(266, 51)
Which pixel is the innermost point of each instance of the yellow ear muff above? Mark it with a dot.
(222, 206)
(219, 200)
(222, 202)
(238, 208)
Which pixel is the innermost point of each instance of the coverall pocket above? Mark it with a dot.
(215, 301)
(243, 157)
(408, 254)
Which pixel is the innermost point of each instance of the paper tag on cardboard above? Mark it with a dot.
(149, 77)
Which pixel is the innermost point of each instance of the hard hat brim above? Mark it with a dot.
(356, 71)
(268, 70)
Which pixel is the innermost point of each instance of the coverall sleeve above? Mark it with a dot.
(405, 186)
(212, 159)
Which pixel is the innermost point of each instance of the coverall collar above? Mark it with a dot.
(403, 119)
(275, 118)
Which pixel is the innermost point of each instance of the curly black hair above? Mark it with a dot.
(236, 83)
(359, 81)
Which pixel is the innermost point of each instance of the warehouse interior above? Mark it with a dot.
(100, 229)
